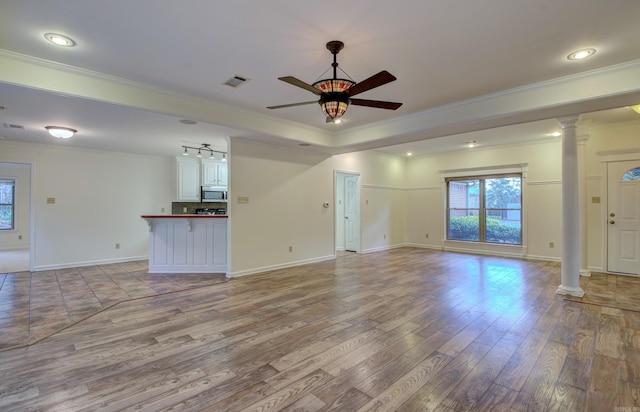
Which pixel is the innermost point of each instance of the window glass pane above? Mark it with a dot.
(463, 224)
(502, 193)
(633, 174)
(504, 226)
(6, 217)
(6, 204)
(464, 194)
(6, 193)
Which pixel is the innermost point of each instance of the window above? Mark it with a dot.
(485, 209)
(633, 174)
(7, 204)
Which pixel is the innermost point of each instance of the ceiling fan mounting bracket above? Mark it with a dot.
(335, 46)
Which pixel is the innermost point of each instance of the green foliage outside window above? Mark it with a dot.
(466, 228)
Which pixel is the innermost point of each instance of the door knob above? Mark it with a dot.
(612, 214)
(612, 221)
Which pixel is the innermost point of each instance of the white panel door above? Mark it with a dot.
(352, 213)
(623, 217)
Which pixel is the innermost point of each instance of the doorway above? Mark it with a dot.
(15, 236)
(623, 217)
(347, 201)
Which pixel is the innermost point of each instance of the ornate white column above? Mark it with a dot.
(583, 202)
(570, 274)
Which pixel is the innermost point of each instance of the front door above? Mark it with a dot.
(623, 217)
(351, 213)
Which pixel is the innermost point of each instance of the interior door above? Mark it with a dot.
(623, 217)
(352, 213)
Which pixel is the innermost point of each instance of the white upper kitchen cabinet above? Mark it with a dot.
(188, 170)
(214, 173)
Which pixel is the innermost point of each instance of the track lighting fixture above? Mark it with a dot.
(205, 147)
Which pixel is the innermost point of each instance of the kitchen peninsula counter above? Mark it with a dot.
(187, 243)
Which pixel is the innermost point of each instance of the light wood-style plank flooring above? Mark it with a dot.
(405, 329)
(39, 304)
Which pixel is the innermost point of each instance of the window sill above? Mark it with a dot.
(485, 248)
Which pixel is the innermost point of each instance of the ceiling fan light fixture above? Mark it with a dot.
(334, 105)
(61, 132)
(333, 85)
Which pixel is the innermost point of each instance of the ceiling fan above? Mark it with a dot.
(336, 94)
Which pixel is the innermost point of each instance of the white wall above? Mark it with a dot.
(99, 197)
(19, 237)
(623, 137)
(286, 189)
(541, 204)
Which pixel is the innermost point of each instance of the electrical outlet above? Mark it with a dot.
(551, 245)
(426, 236)
(117, 245)
(162, 210)
(184, 210)
(290, 248)
(385, 236)
(51, 200)
(19, 237)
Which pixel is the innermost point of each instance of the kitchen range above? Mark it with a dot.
(211, 211)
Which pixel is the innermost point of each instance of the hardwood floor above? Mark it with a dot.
(36, 305)
(406, 329)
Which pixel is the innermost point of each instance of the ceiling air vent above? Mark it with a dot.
(236, 81)
(13, 126)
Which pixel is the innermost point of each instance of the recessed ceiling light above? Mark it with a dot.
(60, 40)
(581, 54)
(556, 134)
(186, 121)
(304, 144)
(61, 132)
(409, 154)
(472, 143)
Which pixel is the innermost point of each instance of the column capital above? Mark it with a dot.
(582, 139)
(568, 121)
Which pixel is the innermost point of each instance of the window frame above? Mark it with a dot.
(12, 205)
(482, 209)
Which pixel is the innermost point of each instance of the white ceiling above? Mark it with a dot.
(442, 53)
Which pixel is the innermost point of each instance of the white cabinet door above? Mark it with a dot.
(222, 174)
(188, 179)
(209, 173)
(214, 173)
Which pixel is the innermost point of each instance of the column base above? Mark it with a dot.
(565, 290)
(586, 273)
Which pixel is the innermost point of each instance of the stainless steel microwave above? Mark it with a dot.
(213, 194)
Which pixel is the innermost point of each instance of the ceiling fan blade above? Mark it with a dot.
(290, 105)
(297, 82)
(376, 103)
(374, 81)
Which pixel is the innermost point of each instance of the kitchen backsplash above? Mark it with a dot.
(177, 208)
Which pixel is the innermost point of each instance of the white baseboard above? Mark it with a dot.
(381, 248)
(41, 268)
(279, 266)
(423, 246)
(547, 258)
